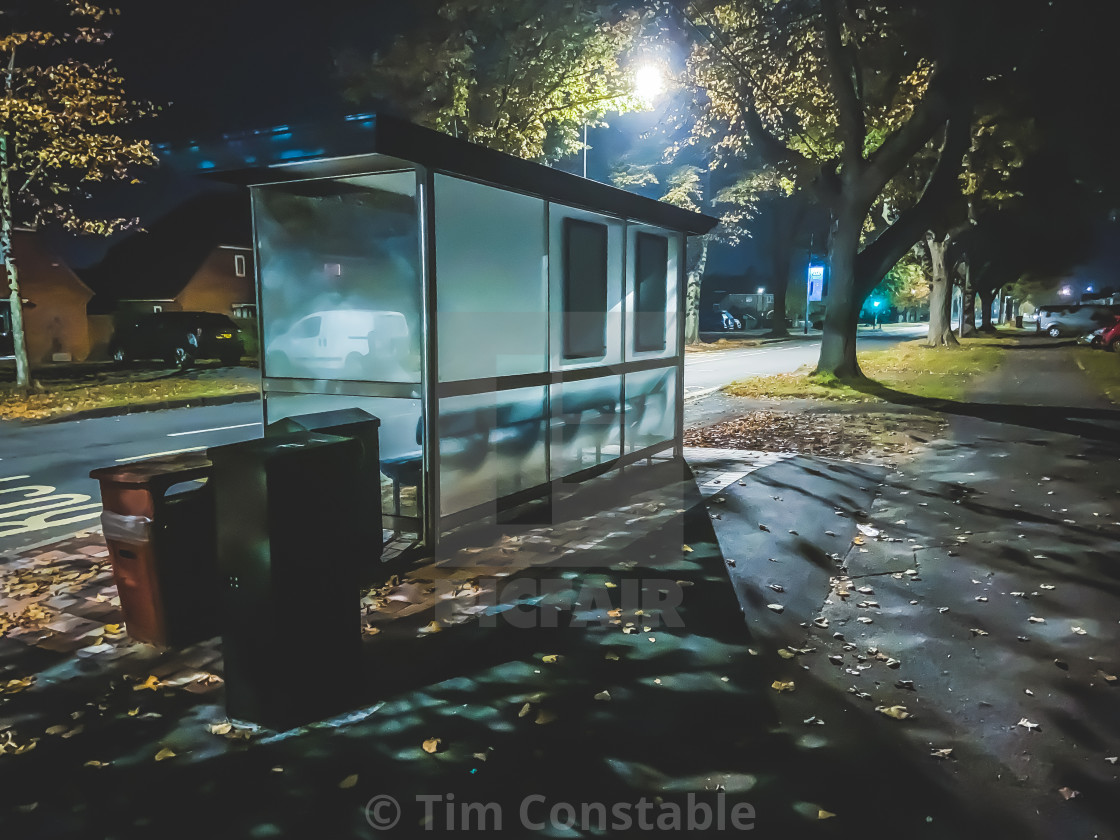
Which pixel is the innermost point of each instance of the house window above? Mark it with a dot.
(239, 265)
(585, 290)
(244, 310)
(651, 267)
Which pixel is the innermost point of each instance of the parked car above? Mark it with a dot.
(719, 320)
(1074, 319)
(1106, 338)
(177, 338)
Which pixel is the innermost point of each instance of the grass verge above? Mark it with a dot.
(910, 367)
(1103, 368)
(62, 399)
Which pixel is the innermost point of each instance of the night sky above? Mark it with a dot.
(227, 65)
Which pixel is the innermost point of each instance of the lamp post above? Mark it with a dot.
(875, 307)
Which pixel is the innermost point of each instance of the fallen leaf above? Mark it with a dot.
(1078, 631)
(1068, 793)
(349, 781)
(686, 548)
(864, 620)
(822, 814)
(222, 728)
(150, 682)
(551, 658)
(785, 654)
(777, 588)
(165, 753)
(1027, 725)
(432, 745)
(611, 655)
(762, 527)
(896, 712)
(1108, 678)
(1045, 586)
(779, 685)
(544, 716)
(1112, 759)
(1034, 619)
(942, 753)
(57, 730)
(775, 607)
(603, 695)
(976, 631)
(814, 720)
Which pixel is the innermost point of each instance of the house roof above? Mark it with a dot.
(157, 264)
(366, 143)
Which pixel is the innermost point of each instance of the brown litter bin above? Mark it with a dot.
(163, 545)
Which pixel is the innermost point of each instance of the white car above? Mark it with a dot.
(364, 344)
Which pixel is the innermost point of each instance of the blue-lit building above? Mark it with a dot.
(512, 326)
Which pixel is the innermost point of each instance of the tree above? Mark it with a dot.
(518, 76)
(58, 121)
(842, 95)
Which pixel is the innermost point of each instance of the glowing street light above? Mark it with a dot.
(1065, 292)
(648, 82)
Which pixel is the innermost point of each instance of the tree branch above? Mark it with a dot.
(877, 258)
(849, 110)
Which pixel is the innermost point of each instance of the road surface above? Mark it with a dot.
(46, 492)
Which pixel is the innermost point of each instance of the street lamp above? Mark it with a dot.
(648, 84)
(875, 306)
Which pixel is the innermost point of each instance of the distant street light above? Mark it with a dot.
(1065, 291)
(761, 289)
(1088, 288)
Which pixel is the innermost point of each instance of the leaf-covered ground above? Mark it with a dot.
(76, 388)
(870, 436)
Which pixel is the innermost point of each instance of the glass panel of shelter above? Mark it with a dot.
(340, 305)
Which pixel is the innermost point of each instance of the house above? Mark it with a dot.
(54, 311)
(222, 283)
(194, 258)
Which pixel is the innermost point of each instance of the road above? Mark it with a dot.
(46, 492)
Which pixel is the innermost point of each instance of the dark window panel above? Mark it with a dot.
(651, 266)
(585, 290)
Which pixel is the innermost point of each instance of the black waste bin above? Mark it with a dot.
(363, 427)
(1019, 321)
(290, 538)
(159, 526)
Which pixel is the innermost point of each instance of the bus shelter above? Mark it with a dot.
(513, 326)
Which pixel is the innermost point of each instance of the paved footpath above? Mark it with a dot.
(965, 656)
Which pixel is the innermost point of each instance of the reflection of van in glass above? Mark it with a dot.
(362, 344)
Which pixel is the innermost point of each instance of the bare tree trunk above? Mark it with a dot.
(790, 214)
(838, 344)
(940, 296)
(968, 305)
(23, 373)
(986, 301)
(692, 295)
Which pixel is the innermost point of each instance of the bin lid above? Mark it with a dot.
(160, 472)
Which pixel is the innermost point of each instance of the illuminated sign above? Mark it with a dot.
(816, 282)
